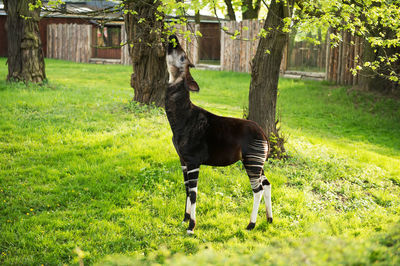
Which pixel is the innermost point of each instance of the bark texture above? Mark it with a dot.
(250, 9)
(25, 54)
(265, 75)
(231, 12)
(144, 27)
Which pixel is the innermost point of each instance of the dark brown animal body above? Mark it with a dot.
(202, 137)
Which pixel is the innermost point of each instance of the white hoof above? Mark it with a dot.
(190, 232)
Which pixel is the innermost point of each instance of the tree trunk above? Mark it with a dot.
(25, 54)
(231, 12)
(265, 75)
(144, 28)
(250, 10)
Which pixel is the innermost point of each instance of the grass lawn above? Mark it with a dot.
(85, 174)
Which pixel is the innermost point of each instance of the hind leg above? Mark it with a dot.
(253, 161)
(254, 172)
(267, 196)
(256, 205)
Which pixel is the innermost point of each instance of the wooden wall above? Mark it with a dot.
(210, 42)
(42, 29)
(45, 21)
(109, 53)
(69, 42)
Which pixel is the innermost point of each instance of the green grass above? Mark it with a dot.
(82, 166)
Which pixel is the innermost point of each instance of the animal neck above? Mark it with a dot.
(174, 74)
(177, 106)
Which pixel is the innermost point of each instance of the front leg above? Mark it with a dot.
(192, 176)
(187, 201)
(185, 179)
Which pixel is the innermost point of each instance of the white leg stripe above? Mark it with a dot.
(267, 198)
(193, 170)
(193, 212)
(184, 168)
(193, 189)
(253, 165)
(256, 205)
(257, 157)
(187, 181)
(188, 205)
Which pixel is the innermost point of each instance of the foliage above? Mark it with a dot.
(377, 21)
(81, 166)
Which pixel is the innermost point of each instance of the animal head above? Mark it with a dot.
(179, 64)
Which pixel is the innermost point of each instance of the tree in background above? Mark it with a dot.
(266, 63)
(25, 54)
(144, 23)
(250, 8)
(230, 11)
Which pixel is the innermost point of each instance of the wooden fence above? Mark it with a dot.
(236, 55)
(341, 59)
(303, 55)
(69, 42)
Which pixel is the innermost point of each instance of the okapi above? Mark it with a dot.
(203, 138)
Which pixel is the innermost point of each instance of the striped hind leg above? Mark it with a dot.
(253, 162)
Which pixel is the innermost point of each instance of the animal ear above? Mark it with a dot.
(193, 86)
(173, 43)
